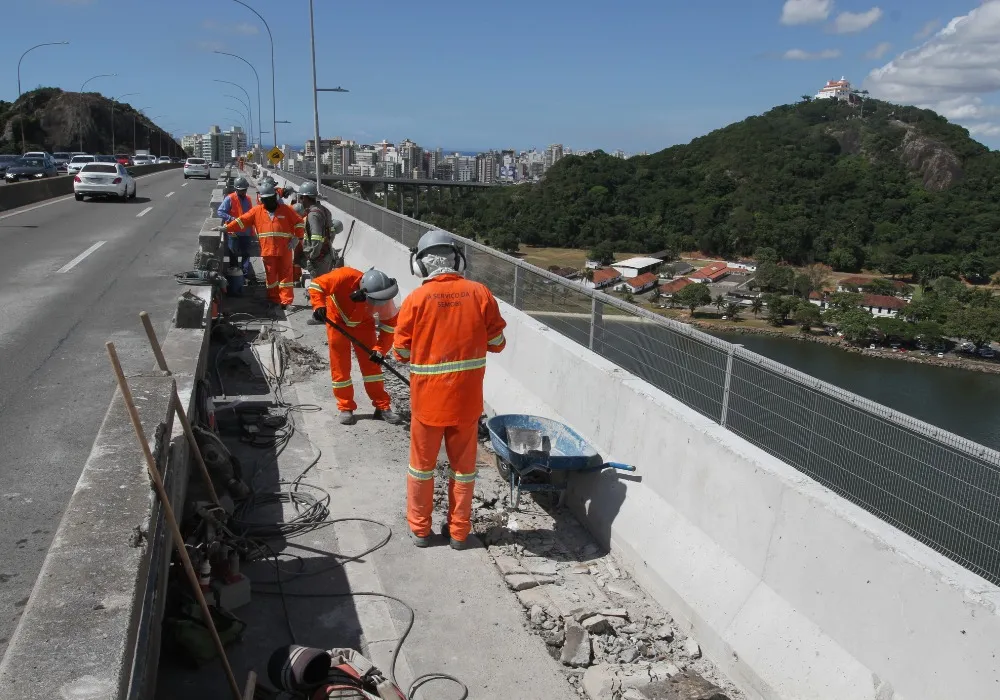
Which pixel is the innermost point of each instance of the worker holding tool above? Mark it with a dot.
(321, 227)
(353, 304)
(234, 205)
(444, 330)
(279, 230)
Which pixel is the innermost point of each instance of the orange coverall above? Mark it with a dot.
(444, 330)
(274, 231)
(333, 290)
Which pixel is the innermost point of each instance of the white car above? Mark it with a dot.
(163, 159)
(197, 167)
(143, 160)
(77, 163)
(104, 180)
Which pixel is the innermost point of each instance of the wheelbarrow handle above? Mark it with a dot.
(620, 466)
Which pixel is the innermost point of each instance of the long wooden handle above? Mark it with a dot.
(154, 474)
(179, 408)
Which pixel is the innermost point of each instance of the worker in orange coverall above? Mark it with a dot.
(280, 230)
(444, 330)
(352, 300)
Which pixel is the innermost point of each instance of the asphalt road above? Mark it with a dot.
(57, 309)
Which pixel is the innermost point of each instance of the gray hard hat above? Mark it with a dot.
(378, 286)
(269, 181)
(308, 189)
(266, 189)
(241, 184)
(435, 238)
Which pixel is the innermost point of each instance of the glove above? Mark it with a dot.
(320, 314)
(222, 228)
(293, 243)
(377, 357)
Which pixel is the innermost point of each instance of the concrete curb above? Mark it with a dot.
(22, 194)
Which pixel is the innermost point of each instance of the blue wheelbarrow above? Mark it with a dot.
(537, 454)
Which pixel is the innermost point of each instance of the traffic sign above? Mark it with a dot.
(275, 155)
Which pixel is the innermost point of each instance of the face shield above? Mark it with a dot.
(384, 310)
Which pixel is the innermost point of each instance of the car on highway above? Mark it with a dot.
(25, 168)
(36, 154)
(141, 159)
(62, 159)
(163, 159)
(216, 164)
(104, 180)
(5, 161)
(197, 167)
(124, 159)
(105, 159)
(78, 161)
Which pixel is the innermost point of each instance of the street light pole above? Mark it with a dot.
(258, 85)
(316, 91)
(36, 46)
(102, 75)
(113, 101)
(274, 119)
(247, 103)
(149, 130)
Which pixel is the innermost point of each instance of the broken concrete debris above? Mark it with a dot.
(576, 649)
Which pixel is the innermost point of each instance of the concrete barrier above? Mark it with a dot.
(91, 628)
(21, 194)
(795, 592)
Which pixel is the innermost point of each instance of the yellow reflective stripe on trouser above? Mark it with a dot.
(420, 474)
(286, 284)
(343, 316)
(449, 367)
(402, 352)
(373, 378)
(386, 329)
(272, 285)
(343, 385)
(317, 239)
(496, 341)
(461, 478)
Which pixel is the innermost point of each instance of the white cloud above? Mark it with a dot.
(851, 22)
(927, 29)
(879, 50)
(246, 29)
(984, 129)
(951, 72)
(210, 45)
(805, 11)
(801, 55)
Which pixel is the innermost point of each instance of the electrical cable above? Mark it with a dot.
(311, 513)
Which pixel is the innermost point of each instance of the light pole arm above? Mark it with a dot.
(103, 75)
(274, 123)
(36, 46)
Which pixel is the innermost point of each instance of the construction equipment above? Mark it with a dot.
(368, 351)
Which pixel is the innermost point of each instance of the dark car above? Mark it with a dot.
(6, 160)
(62, 160)
(106, 159)
(30, 168)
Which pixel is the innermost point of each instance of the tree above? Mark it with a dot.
(765, 255)
(719, 302)
(977, 325)
(883, 287)
(856, 324)
(628, 296)
(506, 242)
(693, 296)
(807, 316)
(733, 311)
(654, 296)
(756, 305)
(603, 253)
(974, 268)
(843, 260)
(772, 277)
(779, 307)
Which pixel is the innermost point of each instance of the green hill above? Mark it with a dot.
(899, 189)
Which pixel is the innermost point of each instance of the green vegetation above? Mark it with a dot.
(901, 190)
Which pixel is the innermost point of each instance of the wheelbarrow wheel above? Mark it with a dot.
(502, 468)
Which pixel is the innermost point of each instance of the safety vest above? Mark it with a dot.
(273, 230)
(333, 290)
(444, 330)
(236, 209)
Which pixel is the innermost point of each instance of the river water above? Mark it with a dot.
(960, 401)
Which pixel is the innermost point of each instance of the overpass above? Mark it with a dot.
(369, 185)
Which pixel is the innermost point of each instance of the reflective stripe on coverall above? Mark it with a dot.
(333, 290)
(274, 231)
(317, 245)
(444, 330)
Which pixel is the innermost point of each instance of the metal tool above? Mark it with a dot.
(368, 351)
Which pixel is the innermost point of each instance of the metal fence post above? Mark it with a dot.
(596, 314)
(518, 278)
(725, 386)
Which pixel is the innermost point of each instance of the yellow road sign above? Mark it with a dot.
(275, 155)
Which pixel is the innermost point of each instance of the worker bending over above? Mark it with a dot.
(279, 230)
(358, 303)
(444, 330)
(234, 205)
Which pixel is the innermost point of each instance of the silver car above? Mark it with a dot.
(78, 162)
(197, 167)
(104, 180)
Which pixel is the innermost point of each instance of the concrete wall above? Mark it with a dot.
(792, 590)
(21, 194)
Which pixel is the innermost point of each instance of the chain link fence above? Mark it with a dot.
(938, 487)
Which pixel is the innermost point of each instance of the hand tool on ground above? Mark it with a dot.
(343, 251)
(161, 361)
(168, 512)
(368, 351)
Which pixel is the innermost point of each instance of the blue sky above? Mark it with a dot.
(464, 74)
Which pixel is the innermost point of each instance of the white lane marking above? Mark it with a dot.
(37, 206)
(184, 185)
(169, 194)
(79, 258)
(144, 212)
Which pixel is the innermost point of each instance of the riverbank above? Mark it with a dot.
(949, 360)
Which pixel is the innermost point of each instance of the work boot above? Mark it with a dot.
(388, 415)
(460, 545)
(311, 321)
(419, 541)
(347, 418)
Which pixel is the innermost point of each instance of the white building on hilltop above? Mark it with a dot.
(835, 90)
